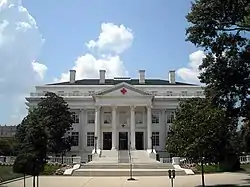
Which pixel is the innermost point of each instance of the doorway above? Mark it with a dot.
(107, 140)
(123, 140)
(139, 141)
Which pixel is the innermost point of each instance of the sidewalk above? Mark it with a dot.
(225, 179)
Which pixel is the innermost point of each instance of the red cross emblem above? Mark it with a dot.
(123, 91)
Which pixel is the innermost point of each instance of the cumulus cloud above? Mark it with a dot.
(191, 72)
(113, 38)
(39, 68)
(112, 41)
(20, 44)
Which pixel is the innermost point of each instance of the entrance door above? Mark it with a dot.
(107, 140)
(139, 141)
(123, 140)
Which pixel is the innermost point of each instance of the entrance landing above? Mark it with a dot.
(123, 157)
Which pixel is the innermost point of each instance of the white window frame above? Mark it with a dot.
(76, 117)
(156, 138)
(155, 117)
(92, 114)
(123, 117)
(90, 139)
(107, 117)
(170, 116)
(184, 93)
(75, 138)
(138, 117)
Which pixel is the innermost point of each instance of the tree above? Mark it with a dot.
(220, 27)
(199, 130)
(57, 118)
(32, 139)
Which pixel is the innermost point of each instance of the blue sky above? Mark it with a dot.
(40, 41)
(158, 26)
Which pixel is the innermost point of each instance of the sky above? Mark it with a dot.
(40, 41)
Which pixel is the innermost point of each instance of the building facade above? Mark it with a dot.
(7, 131)
(119, 113)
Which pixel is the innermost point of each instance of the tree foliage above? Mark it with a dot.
(32, 141)
(42, 131)
(57, 118)
(199, 130)
(221, 27)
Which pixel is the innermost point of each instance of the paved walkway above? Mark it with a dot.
(222, 180)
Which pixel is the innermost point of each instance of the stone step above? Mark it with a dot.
(124, 172)
(127, 166)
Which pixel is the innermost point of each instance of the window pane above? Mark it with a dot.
(75, 138)
(91, 117)
(90, 138)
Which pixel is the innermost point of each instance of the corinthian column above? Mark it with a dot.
(114, 133)
(132, 129)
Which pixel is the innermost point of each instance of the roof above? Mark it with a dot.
(117, 81)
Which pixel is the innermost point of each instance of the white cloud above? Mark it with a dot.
(20, 44)
(39, 68)
(112, 39)
(191, 73)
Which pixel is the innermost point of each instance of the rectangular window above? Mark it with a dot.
(170, 116)
(155, 117)
(199, 93)
(60, 93)
(75, 117)
(76, 93)
(169, 93)
(138, 118)
(89, 158)
(155, 138)
(107, 117)
(184, 93)
(91, 116)
(90, 139)
(123, 117)
(75, 138)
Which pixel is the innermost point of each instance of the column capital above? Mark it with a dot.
(132, 107)
(97, 108)
(114, 107)
(149, 106)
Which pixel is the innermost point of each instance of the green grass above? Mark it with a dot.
(246, 167)
(6, 173)
(50, 169)
(208, 169)
(216, 169)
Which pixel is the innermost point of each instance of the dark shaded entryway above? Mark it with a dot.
(139, 141)
(107, 140)
(123, 140)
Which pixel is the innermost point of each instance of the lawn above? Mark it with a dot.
(215, 168)
(6, 173)
(246, 167)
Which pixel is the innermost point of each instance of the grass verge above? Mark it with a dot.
(6, 173)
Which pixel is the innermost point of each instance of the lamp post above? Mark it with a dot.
(151, 144)
(96, 144)
(130, 159)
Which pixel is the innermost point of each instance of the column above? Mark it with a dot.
(81, 129)
(149, 128)
(114, 129)
(97, 125)
(132, 125)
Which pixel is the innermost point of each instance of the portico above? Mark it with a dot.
(123, 101)
(123, 130)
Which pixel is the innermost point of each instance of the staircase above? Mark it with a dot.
(117, 163)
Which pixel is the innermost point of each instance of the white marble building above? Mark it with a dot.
(113, 112)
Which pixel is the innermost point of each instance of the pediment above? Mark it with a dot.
(123, 90)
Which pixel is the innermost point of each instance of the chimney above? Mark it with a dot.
(102, 76)
(171, 76)
(72, 76)
(141, 76)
